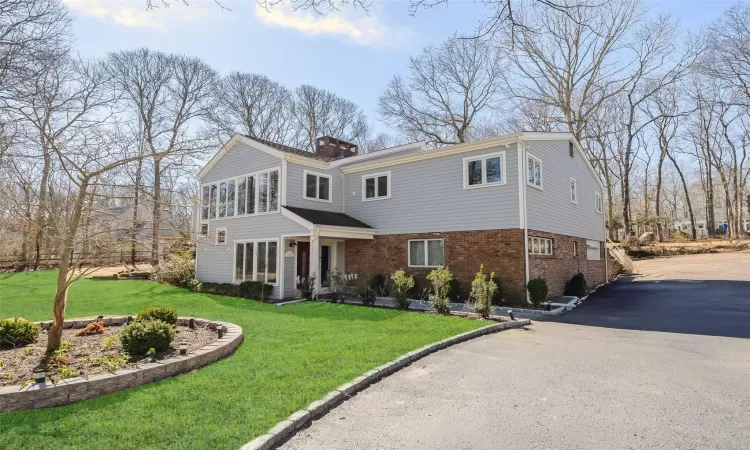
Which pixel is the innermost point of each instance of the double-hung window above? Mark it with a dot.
(593, 250)
(534, 171)
(599, 202)
(540, 246)
(317, 186)
(484, 170)
(226, 199)
(376, 186)
(256, 261)
(426, 253)
(573, 191)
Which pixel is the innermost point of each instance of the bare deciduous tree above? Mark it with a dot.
(318, 112)
(449, 88)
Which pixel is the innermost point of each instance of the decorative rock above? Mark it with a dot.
(300, 418)
(317, 409)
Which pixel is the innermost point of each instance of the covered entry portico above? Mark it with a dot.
(322, 250)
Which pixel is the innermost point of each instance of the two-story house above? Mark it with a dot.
(525, 205)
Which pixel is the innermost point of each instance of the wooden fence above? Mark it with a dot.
(10, 262)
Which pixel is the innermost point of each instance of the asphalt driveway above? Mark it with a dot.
(660, 363)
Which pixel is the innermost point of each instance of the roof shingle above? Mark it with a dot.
(335, 219)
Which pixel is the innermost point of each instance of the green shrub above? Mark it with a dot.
(141, 335)
(482, 290)
(16, 332)
(402, 284)
(441, 284)
(455, 290)
(576, 286)
(167, 315)
(366, 288)
(537, 290)
(497, 298)
(377, 283)
(306, 287)
(178, 269)
(257, 290)
(421, 289)
(229, 289)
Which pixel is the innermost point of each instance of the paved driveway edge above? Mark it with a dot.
(289, 426)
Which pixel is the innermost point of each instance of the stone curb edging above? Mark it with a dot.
(289, 426)
(70, 390)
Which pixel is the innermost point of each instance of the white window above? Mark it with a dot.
(376, 186)
(598, 200)
(534, 171)
(593, 250)
(573, 191)
(426, 253)
(204, 229)
(540, 246)
(747, 225)
(317, 186)
(249, 194)
(256, 261)
(484, 170)
(221, 236)
(575, 248)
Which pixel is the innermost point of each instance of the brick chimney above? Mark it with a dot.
(330, 147)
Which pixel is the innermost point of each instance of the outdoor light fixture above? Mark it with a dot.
(191, 323)
(510, 313)
(293, 244)
(183, 348)
(39, 375)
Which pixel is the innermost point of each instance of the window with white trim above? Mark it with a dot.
(204, 229)
(256, 260)
(593, 250)
(484, 170)
(318, 186)
(376, 186)
(573, 191)
(540, 246)
(245, 195)
(599, 201)
(575, 248)
(221, 236)
(533, 171)
(426, 253)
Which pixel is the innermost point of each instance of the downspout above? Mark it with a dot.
(523, 212)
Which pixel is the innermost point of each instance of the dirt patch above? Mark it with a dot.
(688, 248)
(87, 355)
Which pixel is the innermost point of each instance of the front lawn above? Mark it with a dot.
(291, 356)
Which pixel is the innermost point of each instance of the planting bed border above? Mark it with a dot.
(70, 390)
(317, 409)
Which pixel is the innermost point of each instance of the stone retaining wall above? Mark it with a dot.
(45, 395)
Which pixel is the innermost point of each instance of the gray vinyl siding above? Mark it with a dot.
(551, 210)
(216, 262)
(295, 188)
(429, 196)
(239, 160)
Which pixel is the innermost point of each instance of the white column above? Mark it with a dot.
(315, 258)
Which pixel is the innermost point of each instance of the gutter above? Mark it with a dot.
(524, 215)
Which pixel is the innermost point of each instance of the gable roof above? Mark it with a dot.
(334, 219)
(292, 150)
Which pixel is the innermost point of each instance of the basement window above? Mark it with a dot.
(540, 246)
(426, 253)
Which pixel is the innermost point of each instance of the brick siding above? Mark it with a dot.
(562, 265)
(501, 251)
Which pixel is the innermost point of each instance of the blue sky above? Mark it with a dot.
(350, 53)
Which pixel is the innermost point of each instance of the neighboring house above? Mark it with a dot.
(525, 205)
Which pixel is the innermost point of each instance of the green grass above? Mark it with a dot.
(291, 356)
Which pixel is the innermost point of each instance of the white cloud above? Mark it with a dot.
(133, 13)
(366, 31)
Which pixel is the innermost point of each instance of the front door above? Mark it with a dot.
(303, 259)
(325, 263)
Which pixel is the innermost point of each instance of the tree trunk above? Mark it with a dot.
(710, 219)
(156, 216)
(687, 195)
(134, 231)
(659, 230)
(54, 335)
(41, 214)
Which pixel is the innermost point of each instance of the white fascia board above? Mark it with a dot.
(386, 151)
(436, 153)
(297, 219)
(212, 162)
(345, 232)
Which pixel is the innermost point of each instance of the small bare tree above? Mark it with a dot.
(448, 89)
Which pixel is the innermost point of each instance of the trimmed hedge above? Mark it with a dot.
(141, 335)
(537, 290)
(576, 286)
(246, 289)
(15, 332)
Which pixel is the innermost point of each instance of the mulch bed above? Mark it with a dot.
(88, 355)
